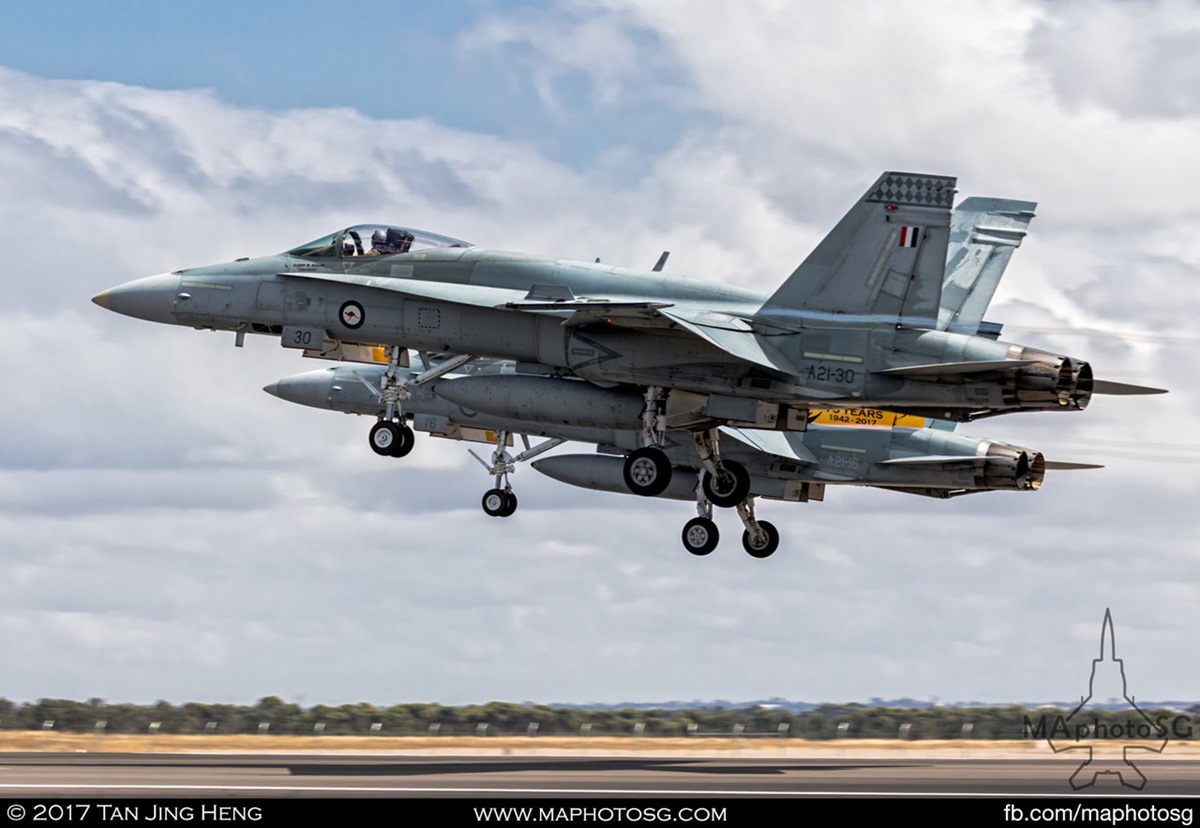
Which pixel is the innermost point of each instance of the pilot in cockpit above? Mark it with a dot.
(390, 241)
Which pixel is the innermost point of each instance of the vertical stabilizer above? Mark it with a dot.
(984, 232)
(886, 257)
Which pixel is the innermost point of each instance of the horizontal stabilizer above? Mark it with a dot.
(1058, 465)
(941, 369)
(734, 336)
(772, 442)
(1121, 389)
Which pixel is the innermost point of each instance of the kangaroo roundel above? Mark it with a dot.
(352, 314)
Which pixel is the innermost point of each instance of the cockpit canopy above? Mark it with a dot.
(373, 240)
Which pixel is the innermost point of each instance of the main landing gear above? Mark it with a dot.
(648, 469)
(723, 483)
(760, 538)
(700, 534)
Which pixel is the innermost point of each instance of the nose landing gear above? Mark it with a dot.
(391, 436)
(391, 439)
(501, 501)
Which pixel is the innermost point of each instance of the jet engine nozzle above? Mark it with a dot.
(1012, 467)
(1057, 383)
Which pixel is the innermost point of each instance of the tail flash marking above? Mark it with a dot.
(909, 236)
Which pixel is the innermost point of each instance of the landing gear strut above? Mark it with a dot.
(501, 501)
(725, 482)
(761, 538)
(700, 534)
(391, 436)
(648, 470)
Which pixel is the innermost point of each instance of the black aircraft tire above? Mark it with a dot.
(495, 502)
(647, 471)
(731, 489)
(510, 504)
(384, 438)
(700, 536)
(771, 545)
(405, 444)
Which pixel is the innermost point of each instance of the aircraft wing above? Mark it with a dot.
(984, 232)
(728, 333)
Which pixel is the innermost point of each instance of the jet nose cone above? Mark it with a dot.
(152, 298)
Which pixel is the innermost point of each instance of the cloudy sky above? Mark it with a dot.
(167, 530)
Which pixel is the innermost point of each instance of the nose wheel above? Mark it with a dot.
(391, 436)
(391, 439)
(499, 502)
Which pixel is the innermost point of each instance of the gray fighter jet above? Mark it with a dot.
(855, 326)
(491, 403)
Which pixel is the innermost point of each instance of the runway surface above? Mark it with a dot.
(111, 776)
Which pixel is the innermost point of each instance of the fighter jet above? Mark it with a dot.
(491, 403)
(856, 325)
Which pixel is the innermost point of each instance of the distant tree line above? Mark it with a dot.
(275, 716)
